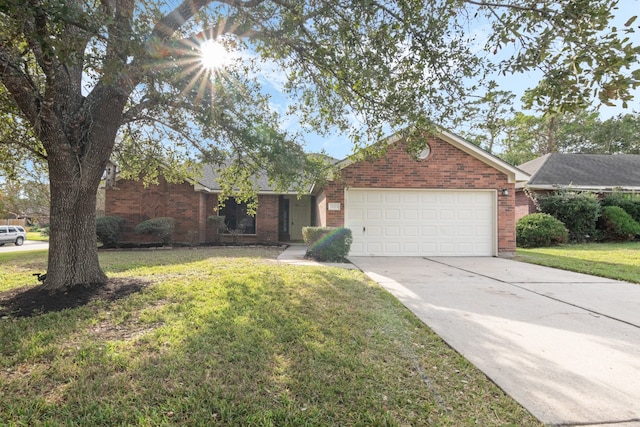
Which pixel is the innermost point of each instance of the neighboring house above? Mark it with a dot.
(455, 199)
(598, 173)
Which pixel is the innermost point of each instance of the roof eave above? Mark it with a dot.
(603, 188)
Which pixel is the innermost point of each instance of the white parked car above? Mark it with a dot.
(12, 234)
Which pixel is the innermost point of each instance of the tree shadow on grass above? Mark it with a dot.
(28, 301)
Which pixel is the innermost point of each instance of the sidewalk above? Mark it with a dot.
(294, 255)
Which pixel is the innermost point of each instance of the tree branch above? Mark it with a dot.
(29, 147)
(20, 86)
(546, 13)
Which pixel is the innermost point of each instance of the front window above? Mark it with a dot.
(236, 218)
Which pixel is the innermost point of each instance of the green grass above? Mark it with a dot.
(35, 235)
(231, 337)
(619, 261)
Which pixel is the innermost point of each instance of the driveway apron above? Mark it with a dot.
(564, 345)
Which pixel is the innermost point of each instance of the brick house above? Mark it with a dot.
(454, 199)
(596, 173)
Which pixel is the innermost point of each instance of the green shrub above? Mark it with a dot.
(539, 230)
(327, 243)
(217, 221)
(578, 211)
(108, 229)
(45, 230)
(617, 224)
(161, 228)
(629, 202)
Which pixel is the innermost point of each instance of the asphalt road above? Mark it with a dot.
(29, 245)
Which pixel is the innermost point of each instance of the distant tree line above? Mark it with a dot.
(494, 124)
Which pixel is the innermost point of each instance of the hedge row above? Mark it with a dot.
(109, 229)
(614, 218)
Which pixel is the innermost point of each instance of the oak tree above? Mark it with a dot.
(84, 80)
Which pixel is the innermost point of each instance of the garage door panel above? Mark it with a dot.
(373, 197)
(410, 231)
(421, 222)
(392, 231)
(447, 213)
(356, 214)
(447, 249)
(392, 214)
(410, 198)
(355, 197)
(429, 214)
(430, 231)
(428, 248)
(465, 214)
(468, 232)
(410, 249)
(373, 214)
(373, 231)
(392, 197)
(428, 197)
(357, 247)
(410, 214)
(392, 249)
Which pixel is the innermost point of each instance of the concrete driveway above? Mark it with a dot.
(565, 345)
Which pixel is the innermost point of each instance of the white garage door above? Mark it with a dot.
(397, 222)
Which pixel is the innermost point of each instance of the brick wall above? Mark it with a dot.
(447, 167)
(135, 203)
(524, 205)
(189, 208)
(320, 209)
(267, 218)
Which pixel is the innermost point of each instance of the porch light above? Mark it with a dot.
(505, 191)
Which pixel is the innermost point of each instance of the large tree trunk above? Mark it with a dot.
(73, 252)
(76, 164)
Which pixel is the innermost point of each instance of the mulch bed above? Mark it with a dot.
(29, 301)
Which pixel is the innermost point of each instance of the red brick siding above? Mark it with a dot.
(447, 167)
(135, 203)
(267, 218)
(524, 205)
(189, 208)
(320, 208)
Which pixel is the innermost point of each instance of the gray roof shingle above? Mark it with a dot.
(584, 170)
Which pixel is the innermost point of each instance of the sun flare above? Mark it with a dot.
(214, 55)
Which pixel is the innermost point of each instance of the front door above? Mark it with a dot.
(299, 215)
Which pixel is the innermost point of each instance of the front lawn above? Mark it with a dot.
(619, 261)
(231, 337)
(36, 235)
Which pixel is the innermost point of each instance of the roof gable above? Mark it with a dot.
(513, 173)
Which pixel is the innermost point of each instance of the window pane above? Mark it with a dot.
(236, 217)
